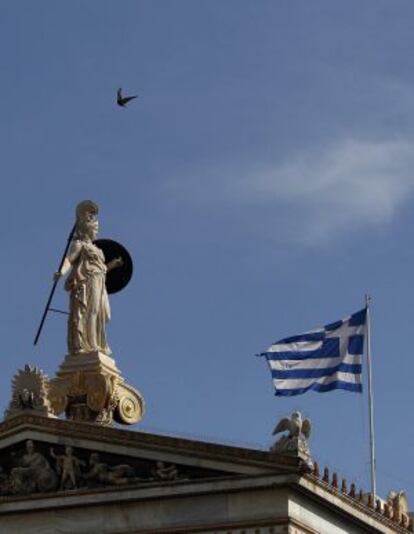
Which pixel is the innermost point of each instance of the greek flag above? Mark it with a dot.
(320, 360)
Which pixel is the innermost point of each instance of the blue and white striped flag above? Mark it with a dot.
(321, 360)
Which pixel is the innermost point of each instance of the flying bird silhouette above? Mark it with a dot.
(123, 100)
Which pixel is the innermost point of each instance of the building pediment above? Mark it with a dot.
(43, 457)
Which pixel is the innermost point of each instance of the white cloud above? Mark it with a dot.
(314, 195)
(343, 188)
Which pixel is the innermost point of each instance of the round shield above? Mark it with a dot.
(118, 276)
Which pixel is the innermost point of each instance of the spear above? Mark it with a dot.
(49, 300)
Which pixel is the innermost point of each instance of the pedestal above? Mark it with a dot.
(89, 387)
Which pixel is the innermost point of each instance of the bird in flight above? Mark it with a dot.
(123, 100)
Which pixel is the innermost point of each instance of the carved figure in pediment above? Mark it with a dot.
(68, 467)
(164, 471)
(33, 473)
(4, 482)
(103, 474)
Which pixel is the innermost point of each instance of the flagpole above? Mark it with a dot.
(370, 401)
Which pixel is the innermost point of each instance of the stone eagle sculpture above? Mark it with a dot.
(295, 442)
(296, 426)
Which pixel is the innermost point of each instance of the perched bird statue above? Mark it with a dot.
(123, 100)
(295, 426)
(295, 442)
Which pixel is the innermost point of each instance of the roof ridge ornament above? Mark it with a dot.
(295, 442)
(29, 393)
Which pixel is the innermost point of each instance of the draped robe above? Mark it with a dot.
(89, 309)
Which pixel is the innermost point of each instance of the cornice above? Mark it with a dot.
(144, 440)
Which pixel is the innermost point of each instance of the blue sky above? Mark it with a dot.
(262, 183)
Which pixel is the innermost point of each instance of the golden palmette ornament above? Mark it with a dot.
(30, 393)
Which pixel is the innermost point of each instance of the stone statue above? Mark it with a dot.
(68, 466)
(294, 443)
(163, 471)
(26, 399)
(89, 308)
(398, 503)
(296, 426)
(102, 474)
(33, 474)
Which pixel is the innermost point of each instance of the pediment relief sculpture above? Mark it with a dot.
(33, 473)
(36, 467)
